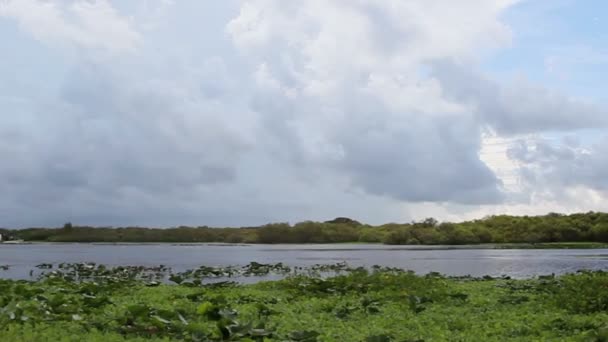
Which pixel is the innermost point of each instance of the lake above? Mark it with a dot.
(466, 260)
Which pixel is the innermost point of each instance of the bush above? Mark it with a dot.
(586, 292)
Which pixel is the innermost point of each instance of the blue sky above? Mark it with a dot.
(559, 43)
(243, 112)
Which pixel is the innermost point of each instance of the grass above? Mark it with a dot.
(93, 303)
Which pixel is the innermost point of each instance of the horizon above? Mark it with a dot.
(411, 222)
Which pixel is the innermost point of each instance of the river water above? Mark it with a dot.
(464, 260)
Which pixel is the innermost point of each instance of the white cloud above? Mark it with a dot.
(323, 42)
(550, 166)
(494, 152)
(84, 24)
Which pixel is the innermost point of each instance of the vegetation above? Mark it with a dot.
(551, 228)
(87, 302)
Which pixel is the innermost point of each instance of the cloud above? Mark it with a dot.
(552, 166)
(275, 111)
(82, 24)
(343, 87)
(516, 108)
(117, 143)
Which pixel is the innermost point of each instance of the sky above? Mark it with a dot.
(244, 112)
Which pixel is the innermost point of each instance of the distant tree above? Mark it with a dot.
(344, 220)
(592, 226)
(600, 232)
(427, 236)
(398, 236)
(429, 222)
(274, 233)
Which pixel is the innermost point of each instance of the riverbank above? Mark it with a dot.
(385, 305)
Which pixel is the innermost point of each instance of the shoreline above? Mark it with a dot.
(544, 245)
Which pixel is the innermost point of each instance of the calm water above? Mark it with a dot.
(476, 262)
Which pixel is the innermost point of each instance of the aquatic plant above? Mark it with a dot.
(85, 301)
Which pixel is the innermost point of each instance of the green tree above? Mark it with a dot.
(600, 232)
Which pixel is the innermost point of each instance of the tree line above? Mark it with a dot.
(554, 227)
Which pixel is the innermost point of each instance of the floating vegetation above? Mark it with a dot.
(153, 276)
